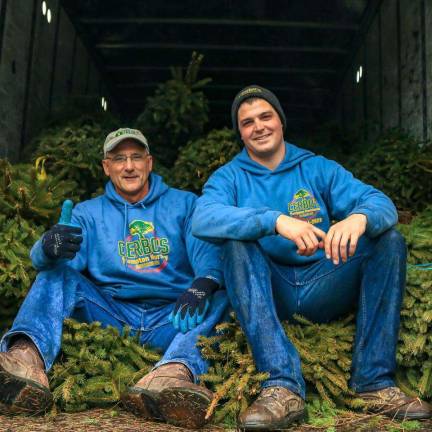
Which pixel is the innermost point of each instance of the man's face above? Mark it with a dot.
(260, 129)
(130, 176)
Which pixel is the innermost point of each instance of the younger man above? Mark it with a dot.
(274, 204)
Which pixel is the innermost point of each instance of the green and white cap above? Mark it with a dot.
(116, 137)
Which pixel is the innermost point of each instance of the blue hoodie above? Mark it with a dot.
(139, 251)
(243, 199)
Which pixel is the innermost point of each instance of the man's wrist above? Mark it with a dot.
(361, 215)
(277, 221)
(212, 278)
(206, 283)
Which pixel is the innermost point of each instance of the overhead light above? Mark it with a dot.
(359, 74)
(48, 15)
(104, 103)
(44, 8)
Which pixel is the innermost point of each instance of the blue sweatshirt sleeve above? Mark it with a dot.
(204, 257)
(347, 195)
(41, 262)
(217, 216)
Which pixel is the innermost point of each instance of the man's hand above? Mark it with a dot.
(338, 236)
(63, 240)
(307, 237)
(192, 305)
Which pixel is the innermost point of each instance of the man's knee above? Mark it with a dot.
(394, 237)
(234, 246)
(63, 280)
(59, 272)
(237, 250)
(393, 241)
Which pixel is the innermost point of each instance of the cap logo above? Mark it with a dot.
(249, 90)
(126, 131)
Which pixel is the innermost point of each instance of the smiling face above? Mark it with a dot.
(130, 177)
(261, 131)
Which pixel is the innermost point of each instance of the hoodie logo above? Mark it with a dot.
(143, 251)
(304, 206)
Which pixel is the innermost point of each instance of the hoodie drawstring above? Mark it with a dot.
(125, 230)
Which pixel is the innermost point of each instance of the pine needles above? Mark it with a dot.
(415, 347)
(29, 201)
(232, 374)
(96, 365)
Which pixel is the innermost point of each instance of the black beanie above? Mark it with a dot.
(255, 91)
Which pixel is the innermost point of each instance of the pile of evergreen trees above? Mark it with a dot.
(97, 364)
(415, 348)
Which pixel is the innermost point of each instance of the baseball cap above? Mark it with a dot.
(116, 137)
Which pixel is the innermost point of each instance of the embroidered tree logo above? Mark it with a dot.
(301, 194)
(140, 228)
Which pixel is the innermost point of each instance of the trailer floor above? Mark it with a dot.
(109, 420)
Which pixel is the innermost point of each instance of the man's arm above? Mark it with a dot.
(217, 216)
(359, 207)
(205, 258)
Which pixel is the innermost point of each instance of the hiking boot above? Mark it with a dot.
(394, 403)
(24, 387)
(169, 394)
(275, 408)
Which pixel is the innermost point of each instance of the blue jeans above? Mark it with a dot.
(262, 293)
(63, 292)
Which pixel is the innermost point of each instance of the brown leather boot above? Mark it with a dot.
(169, 394)
(394, 403)
(275, 408)
(24, 387)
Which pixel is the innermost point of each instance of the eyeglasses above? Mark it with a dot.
(122, 159)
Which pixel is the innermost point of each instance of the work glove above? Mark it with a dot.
(63, 240)
(191, 307)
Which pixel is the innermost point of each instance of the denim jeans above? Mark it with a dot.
(262, 293)
(63, 292)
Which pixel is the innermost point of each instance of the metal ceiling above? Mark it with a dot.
(298, 48)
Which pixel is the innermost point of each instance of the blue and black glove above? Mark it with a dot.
(192, 305)
(63, 240)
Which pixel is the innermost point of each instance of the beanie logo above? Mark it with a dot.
(249, 91)
(304, 206)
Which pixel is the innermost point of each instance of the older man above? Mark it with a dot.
(274, 205)
(126, 257)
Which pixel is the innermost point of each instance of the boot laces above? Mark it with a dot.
(26, 352)
(278, 394)
(394, 395)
